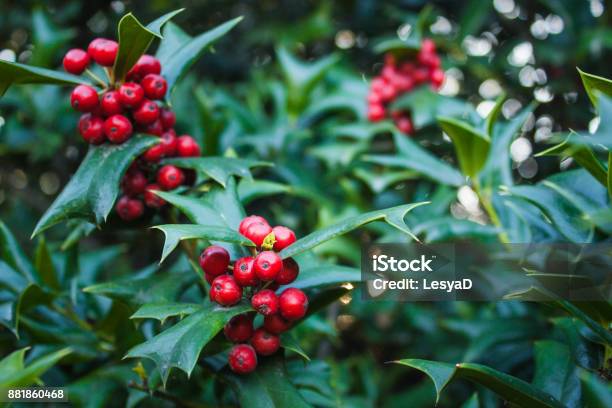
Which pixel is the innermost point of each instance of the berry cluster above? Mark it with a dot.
(256, 278)
(400, 77)
(120, 108)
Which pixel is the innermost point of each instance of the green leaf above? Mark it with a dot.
(289, 342)
(16, 73)
(610, 175)
(13, 255)
(17, 375)
(177, 63)
(196, 209)
(413, 157)
(268, 386)
(135, 39)
(173, 39)
(582, 154)
(326, 275)
(162, 311)
(556, 373)
(178, 232)
(596, 393)
(180, 345)
(508, 387)
(91, 192)
(219, 169)
(44, 265)
(471, 145)
(593, 83)
(393, 216)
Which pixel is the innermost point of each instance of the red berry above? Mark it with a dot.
(225, 290)
(265, 302)
(209, 279)
(267, 265)
(146, 64)
(155, 86)
(265, 343)
(420, 75)
(168, 141)
(129, 208)
(437, 78)
(170, 177)
(377, 84)
(154, 153)
(214, 260)
(154, 128)
(293, 304)
(131, 94)
(186, 146)
(376, 113)
(168, 118)
(257, 232)
(239, 328)
(374, 98)
(110, 103)
(276, 324)
(146, 113)
(284, 237)
(117, 128)
(244, 224)
(134, 183)
(244, 272)
(151, 199)
(404, 125)
(288, 273)
(242, 359)
(388, 93)
(103, 51)
(428, 46)
(91, 128)
(84, 98)
(76, 61)
(407, 68)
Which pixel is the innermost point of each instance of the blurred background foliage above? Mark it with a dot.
(242, 98)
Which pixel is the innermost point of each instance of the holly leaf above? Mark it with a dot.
(162, 311)
(325, 275)
(91, 192)
(195, 208)
(16, 73)
(555, 372)
(426, 105)
(508, 387)
(14, 373)
(135, 39)
(593, 84)
(180, 345)
(219, 169)
(393, 216)
(472, 146)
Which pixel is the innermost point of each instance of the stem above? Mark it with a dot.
(96, 78)
(490, 209)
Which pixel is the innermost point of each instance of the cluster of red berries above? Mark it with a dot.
(113, 114)
(257, 279)
(400, 77)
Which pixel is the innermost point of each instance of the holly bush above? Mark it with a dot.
(194, 238)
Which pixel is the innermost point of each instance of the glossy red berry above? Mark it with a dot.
(91, 128)
(404, 125)
(257, 232)
(76, 61)
(154, 128)
(103, 51)
(376, 113)
(265, 302)
(214, 260)
(131, 94)
(117, 128)
(155, 86)
(244, 272)
(134, 183)
(146, 64)
(186, 146)
(283, 236)
(244, 224)
(288, 273)
(168, 141)
(428, 46)
(110, 103)
(129, 209)
(170, 177)
(168, 118)
(225, 290)
(146, 113)
(437, 78)
(84, 98)
(239, 329)
(152, 200)
(267, 265)
(293, 304)
(154, 153)
(265, 343)
(420, 75)
(242, 359)
(275, 324)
